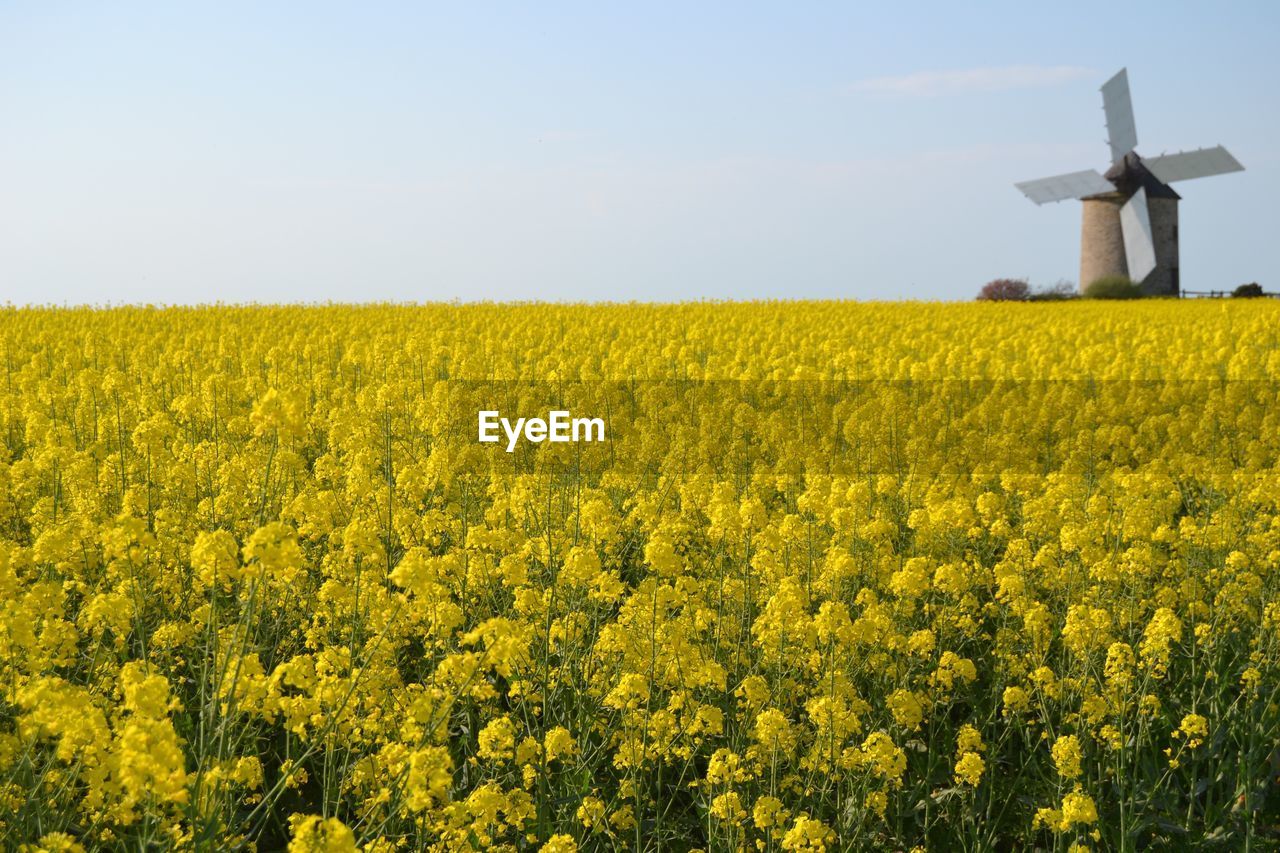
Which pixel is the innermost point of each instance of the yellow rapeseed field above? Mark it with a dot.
(840, 576)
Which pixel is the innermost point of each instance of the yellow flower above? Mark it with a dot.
(145, 695)
(1164, 629)
(969, 739)
(884, 757)
(773, 731)
(581, 565)
(906, 709)
(216, 557)
(725, 767)
(54, 842)
(559, 743)
(1195, 728)
(969, 768)
(314, 834)
(1015, 701)
(152, 765)
(560, 843)
(768, 813)
(497, 739)
(1067, 756)
(277, 412)
(808, 836)
(754, 691)
(591, 812)
(1077, 808)
(728, 807)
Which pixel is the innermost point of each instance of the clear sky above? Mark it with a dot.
(251, 151)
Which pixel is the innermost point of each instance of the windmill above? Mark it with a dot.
(1130, 216)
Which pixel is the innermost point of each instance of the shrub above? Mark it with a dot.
(1112, 287)
(1248, 291)
(1005, 290)
(1062, 289)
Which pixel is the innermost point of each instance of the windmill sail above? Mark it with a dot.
(1122, 133)
(1063, 187)
(1139, 245)
(1186, 165)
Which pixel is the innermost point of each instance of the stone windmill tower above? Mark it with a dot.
(1130, 223)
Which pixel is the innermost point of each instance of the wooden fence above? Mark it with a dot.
(1217, 294)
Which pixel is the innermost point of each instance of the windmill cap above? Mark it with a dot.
(1130, 175)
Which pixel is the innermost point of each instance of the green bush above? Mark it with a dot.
(1246, 291)
(1112, 287)
(1056, 292)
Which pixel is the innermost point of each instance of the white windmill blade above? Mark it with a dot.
(1139, 246)
(1063, 187)
(1122, 134)
(1186, 165)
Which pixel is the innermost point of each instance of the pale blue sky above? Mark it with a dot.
(189, 152)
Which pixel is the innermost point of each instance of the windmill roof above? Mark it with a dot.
(1129, 175)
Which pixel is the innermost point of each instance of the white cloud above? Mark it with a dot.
(965, 81)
